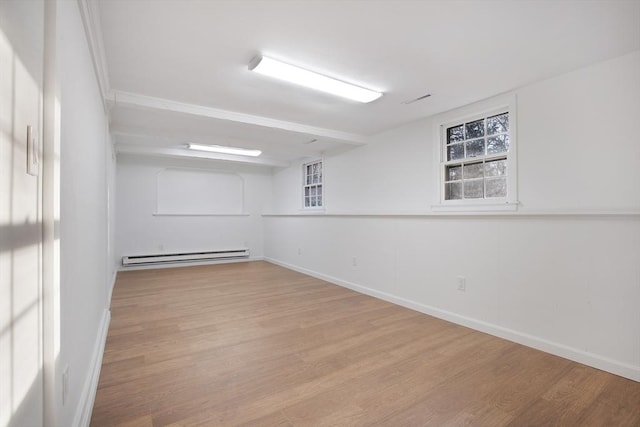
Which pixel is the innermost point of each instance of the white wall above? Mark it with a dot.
(561, 274)
(21, 88)
(141, 232)
(113, 263)
(576, 146)
(84, 265)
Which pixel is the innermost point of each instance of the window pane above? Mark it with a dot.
(475, 129)
(320, 172)
(495, 168)
(497, 187)
(307, 202)
(455, 134)
(319, 199)
(313, 191)
(473, 189)
(453, 173)
(473, 170)
(498, 124)
(306, 191)
(498, 144)
(475, 148)
(319, 192)
(469, 174)
(455, 152)
(453, 191)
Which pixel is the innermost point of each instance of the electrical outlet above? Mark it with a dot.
(462, 283)
(65, 384)
(354, 261)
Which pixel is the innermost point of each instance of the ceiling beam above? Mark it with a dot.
(126, 137)
(185, 153)
(117, 98)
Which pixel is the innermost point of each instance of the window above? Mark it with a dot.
(476, 156)
(312, 184)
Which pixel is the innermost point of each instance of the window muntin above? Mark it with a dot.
(475, 158)
(312, 185)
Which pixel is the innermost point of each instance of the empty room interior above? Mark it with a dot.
(337, 213)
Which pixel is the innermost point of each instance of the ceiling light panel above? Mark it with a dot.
(273, 68)
(224, 150)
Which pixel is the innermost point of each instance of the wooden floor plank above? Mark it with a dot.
(258, 345)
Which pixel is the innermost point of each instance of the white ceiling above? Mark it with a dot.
(177, 69)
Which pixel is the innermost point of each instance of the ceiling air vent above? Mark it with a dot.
(420, 98)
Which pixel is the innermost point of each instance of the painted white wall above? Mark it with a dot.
(141, 232)
(84, 269)
(112, 260)
(21, 88)
(568, 284)
(577, 147)
(287, 189)
(577, 151)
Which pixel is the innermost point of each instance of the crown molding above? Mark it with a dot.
(93, 31)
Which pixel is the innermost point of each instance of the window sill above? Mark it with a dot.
(197, 214)
(311, 211)
(476, 207)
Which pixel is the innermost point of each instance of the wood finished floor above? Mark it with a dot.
(256, 344)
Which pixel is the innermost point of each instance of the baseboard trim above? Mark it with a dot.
(112, 285)
(88, 396)
(188, 264)
(596, 361)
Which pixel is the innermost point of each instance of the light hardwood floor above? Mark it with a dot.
(256, 344)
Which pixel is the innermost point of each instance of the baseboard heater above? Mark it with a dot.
(185, 257)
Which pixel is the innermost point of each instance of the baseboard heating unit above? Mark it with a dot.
(131, 260)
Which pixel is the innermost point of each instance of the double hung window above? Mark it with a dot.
(312, 185)
(475, 158)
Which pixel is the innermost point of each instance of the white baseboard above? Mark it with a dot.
(188, 264)
(594, 360)
(112, 285)
(82, 416)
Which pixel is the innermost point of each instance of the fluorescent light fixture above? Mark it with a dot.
(224, 150)
(280, 70)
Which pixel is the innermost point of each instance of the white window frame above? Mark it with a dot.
(315, 185)
(508, 203)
